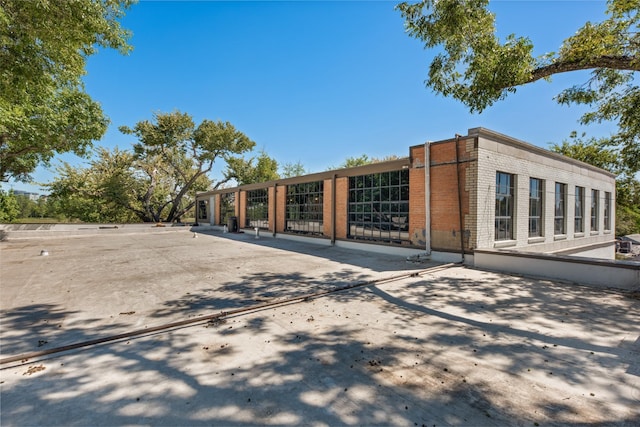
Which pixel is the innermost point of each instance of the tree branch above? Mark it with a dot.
(623, 63)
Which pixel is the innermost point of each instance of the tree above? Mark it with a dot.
(105, 191)
(351, 162)
(245, 172)
(290, 170)
(478, 69)
(597, 152)
(9, 208)
(173, 158)
(44, 108)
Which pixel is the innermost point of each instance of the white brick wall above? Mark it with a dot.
(500, 153)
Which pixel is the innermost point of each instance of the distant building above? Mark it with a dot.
(31, 196)
(484, 190)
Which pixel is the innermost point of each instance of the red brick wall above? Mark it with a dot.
(445, 211)
(417, 208)
(326, 207)
(216, 212)
(342, 200)
(281, 205)
(271, 202)
(241, 209)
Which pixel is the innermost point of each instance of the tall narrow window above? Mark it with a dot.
(535, 207)
(202, 209)
(595, 205)
(559, 223)
(504, 206)
(257, 209)
(579, 212)
(227, 206)
(607, 210)
(304, 208)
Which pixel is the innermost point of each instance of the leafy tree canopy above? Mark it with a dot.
(362, 160)
(44, 108)
(247, 172)
(9, 207)
(289, 170)
(478, 69)
(175, 156)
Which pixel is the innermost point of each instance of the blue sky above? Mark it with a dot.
(317, 82)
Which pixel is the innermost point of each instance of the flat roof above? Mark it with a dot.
(409, 344)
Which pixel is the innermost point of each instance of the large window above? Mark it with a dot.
(504, 206)
(257, 209)
(559, 223)
(535, 207)
(304, 208)
(227, 207)
(595, 205)
(379, 207)
(579, 211)
(607, 211)
(202, 209)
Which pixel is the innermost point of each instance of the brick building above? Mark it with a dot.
(484, 190)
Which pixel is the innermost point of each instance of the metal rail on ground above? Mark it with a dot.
(25, 357)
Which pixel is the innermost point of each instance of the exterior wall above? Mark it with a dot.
(447, 177)
(271, 191)
(587, 271)
(241, 209)
(342, 206)
(465, 166)
(216, 211)
(211, 214)
(417, 197)
(499, 153)
(281, 206)
(327, 197)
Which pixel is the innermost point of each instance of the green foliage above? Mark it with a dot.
(43, 105)
(627, 220)
(594, 151)
(157, 180)
(9, 208)
(290, 170)
(478, 69)
(599, 153)
(173, 157)
(351, 162)
(246, 172)
(102, 192)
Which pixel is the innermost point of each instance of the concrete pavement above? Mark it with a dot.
(456, 346)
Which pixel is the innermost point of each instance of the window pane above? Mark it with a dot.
(384, 207)
(504, 206)
(304, 211)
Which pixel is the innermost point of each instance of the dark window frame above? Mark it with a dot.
(504, 209)
(305, 208)
(595, 210)
(560, 209)
(536, 205)
(257, 209)
(378, 207)
(607, 210)
(227, 207)
(579, 210)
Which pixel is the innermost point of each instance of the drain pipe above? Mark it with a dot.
(275, 208)
(427, 196)
(459, 199)
(333, 209)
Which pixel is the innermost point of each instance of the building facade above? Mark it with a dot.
(483, 190)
